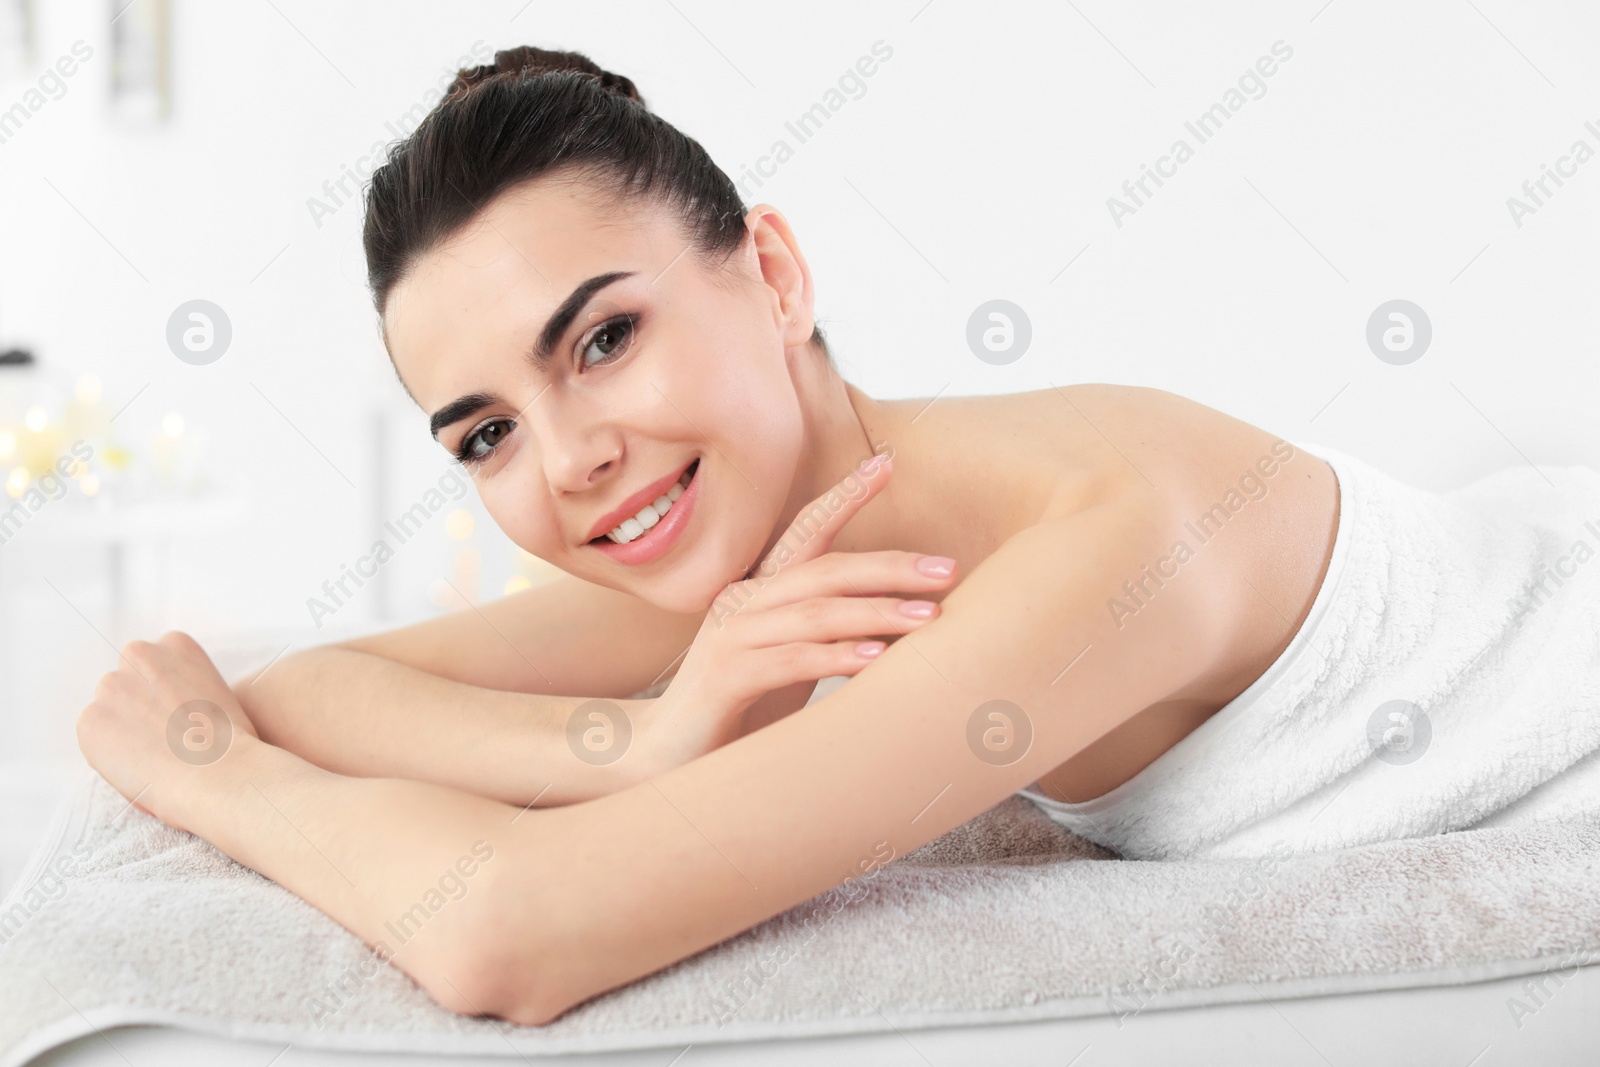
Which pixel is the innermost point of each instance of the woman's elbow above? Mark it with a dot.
(476, 985)
(498, 962)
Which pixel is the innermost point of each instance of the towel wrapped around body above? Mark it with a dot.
(1447, 676)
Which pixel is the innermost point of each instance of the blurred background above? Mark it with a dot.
(1378, 234)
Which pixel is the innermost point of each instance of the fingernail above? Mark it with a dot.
(870, 465)
(917, 609)
(869, 649)
(936, 566)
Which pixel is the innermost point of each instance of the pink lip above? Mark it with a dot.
(631, 506)
(655, 541)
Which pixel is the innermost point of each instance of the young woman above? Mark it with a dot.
(576, 296)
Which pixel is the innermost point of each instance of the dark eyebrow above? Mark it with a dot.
(459, 409)
(553, 330)
(562, 317)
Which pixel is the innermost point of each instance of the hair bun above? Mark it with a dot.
(529, 61)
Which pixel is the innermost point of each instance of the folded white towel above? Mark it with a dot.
(123, 920)
(1448, 674)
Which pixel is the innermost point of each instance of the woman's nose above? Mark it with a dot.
(576, 453)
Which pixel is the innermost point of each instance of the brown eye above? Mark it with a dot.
(610, 340)
(481, 443)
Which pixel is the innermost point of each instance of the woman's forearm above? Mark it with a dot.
(406, 866)
(358, 714)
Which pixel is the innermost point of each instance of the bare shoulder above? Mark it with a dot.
(1248, 521)
(565, 637)
(1052, 453)
(1261, 510)
(1088, 442)
(1116, 434)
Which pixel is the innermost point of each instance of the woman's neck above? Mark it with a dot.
(843, 427)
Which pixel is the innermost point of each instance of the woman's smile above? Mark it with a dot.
(639, 533)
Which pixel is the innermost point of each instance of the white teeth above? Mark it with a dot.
(650, 514)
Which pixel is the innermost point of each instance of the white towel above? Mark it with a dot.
(1447, 676)
(123, 920)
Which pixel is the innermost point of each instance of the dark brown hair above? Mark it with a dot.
(534, 113)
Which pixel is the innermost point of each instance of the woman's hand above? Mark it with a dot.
(158, 721)
(808, 613)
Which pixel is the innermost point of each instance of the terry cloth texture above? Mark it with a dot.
(124, 920)
(1447, 676)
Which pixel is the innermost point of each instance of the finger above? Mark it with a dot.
(118, 684)
(787, 664)
(177, 639)
(813, 530)
(835, 619)
(839, 574)
(136, 652)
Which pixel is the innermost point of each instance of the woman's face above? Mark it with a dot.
(574, 356)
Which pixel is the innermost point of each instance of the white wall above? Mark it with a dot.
(976, 164)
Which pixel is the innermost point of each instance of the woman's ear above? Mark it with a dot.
(783, 268)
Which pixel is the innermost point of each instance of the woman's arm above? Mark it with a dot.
(581, 899)
(479, 699)
(356, 713)
(408, 866)
(1025, 662)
